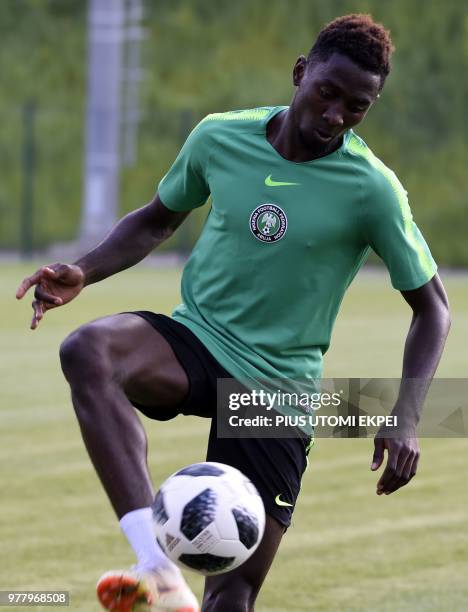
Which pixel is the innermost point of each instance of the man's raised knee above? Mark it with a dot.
(83, 352)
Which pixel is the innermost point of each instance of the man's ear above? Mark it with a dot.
(299, 70)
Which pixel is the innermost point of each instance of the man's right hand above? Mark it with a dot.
(56, 285)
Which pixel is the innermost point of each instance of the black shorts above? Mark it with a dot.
(274, 465)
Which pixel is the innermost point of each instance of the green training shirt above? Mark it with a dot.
(282, 242)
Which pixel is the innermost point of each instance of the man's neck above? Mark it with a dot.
(284, 136)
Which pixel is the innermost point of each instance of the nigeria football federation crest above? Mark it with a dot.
(268, 223)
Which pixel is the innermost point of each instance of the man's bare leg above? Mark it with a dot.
(237, 591)
(106, 362)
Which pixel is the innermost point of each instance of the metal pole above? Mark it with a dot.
(106, 21)
(133, 76)
(28, 171)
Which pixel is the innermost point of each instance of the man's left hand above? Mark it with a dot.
(402, 462)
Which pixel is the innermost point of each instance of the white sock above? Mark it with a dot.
(138, 527)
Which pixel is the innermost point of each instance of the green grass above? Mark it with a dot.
(348, 549)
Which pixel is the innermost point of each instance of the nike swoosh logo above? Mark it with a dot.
(280, 502)
(269, 182)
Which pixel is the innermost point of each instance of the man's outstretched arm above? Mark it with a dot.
(423, 349)
(130, 241)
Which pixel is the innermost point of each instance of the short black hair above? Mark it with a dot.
(360, 38)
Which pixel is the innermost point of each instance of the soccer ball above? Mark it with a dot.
(208, 518)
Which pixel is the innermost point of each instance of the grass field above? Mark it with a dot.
(348, 549)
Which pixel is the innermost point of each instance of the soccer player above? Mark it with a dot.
(297, 193)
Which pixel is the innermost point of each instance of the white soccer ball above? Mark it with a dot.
(209, 518)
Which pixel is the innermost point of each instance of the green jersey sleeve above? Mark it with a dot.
(185, 186)
(393, 235)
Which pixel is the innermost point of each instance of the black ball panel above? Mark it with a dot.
(198, 513)
(200, 469)
(247, 525)
(206, 562)
(159, 510)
